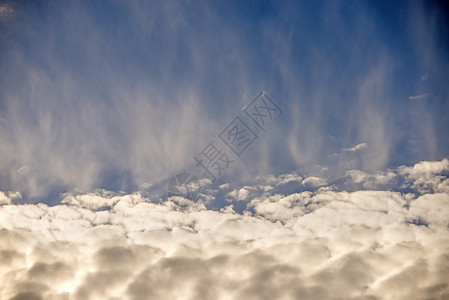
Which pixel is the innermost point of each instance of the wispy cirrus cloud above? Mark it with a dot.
(344, 196)
(121, 96)
(5, 11)
(420, 97)
(356, 147)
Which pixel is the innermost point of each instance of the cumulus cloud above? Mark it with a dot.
(314, 181)
(240, 195)
(324, 243)
(427, 175)
(9, 197)
(371, 180)
(100, 104)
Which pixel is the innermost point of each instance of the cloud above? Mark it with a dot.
(420, 97)
(371, 180)
(326, 242)
(100, 105)
(425, 169)
(314, 181)
(427, 175)
(9, 197)
(240, 195)
(5, 11)
(356, 147)
(132, 91)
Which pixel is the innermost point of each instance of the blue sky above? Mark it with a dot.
(342, 195)
(118, 95)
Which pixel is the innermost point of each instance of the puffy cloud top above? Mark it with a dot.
(325, 243)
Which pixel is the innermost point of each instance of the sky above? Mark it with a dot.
(339, 189)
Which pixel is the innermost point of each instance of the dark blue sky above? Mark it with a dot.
(123, 94)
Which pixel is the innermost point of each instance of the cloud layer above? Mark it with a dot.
(321, 243)
(101, 103)
(117, 95)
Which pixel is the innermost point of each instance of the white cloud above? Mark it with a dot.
(91, 201)
(4, 199)
(356, 147)
(279, 207)
(314, 181)
(420, 96)
(132, 108)
(317, 244)
(239, 195)
(425, 169)
(9, 197)
(426, 176)
(287, 178)
(371, 180)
